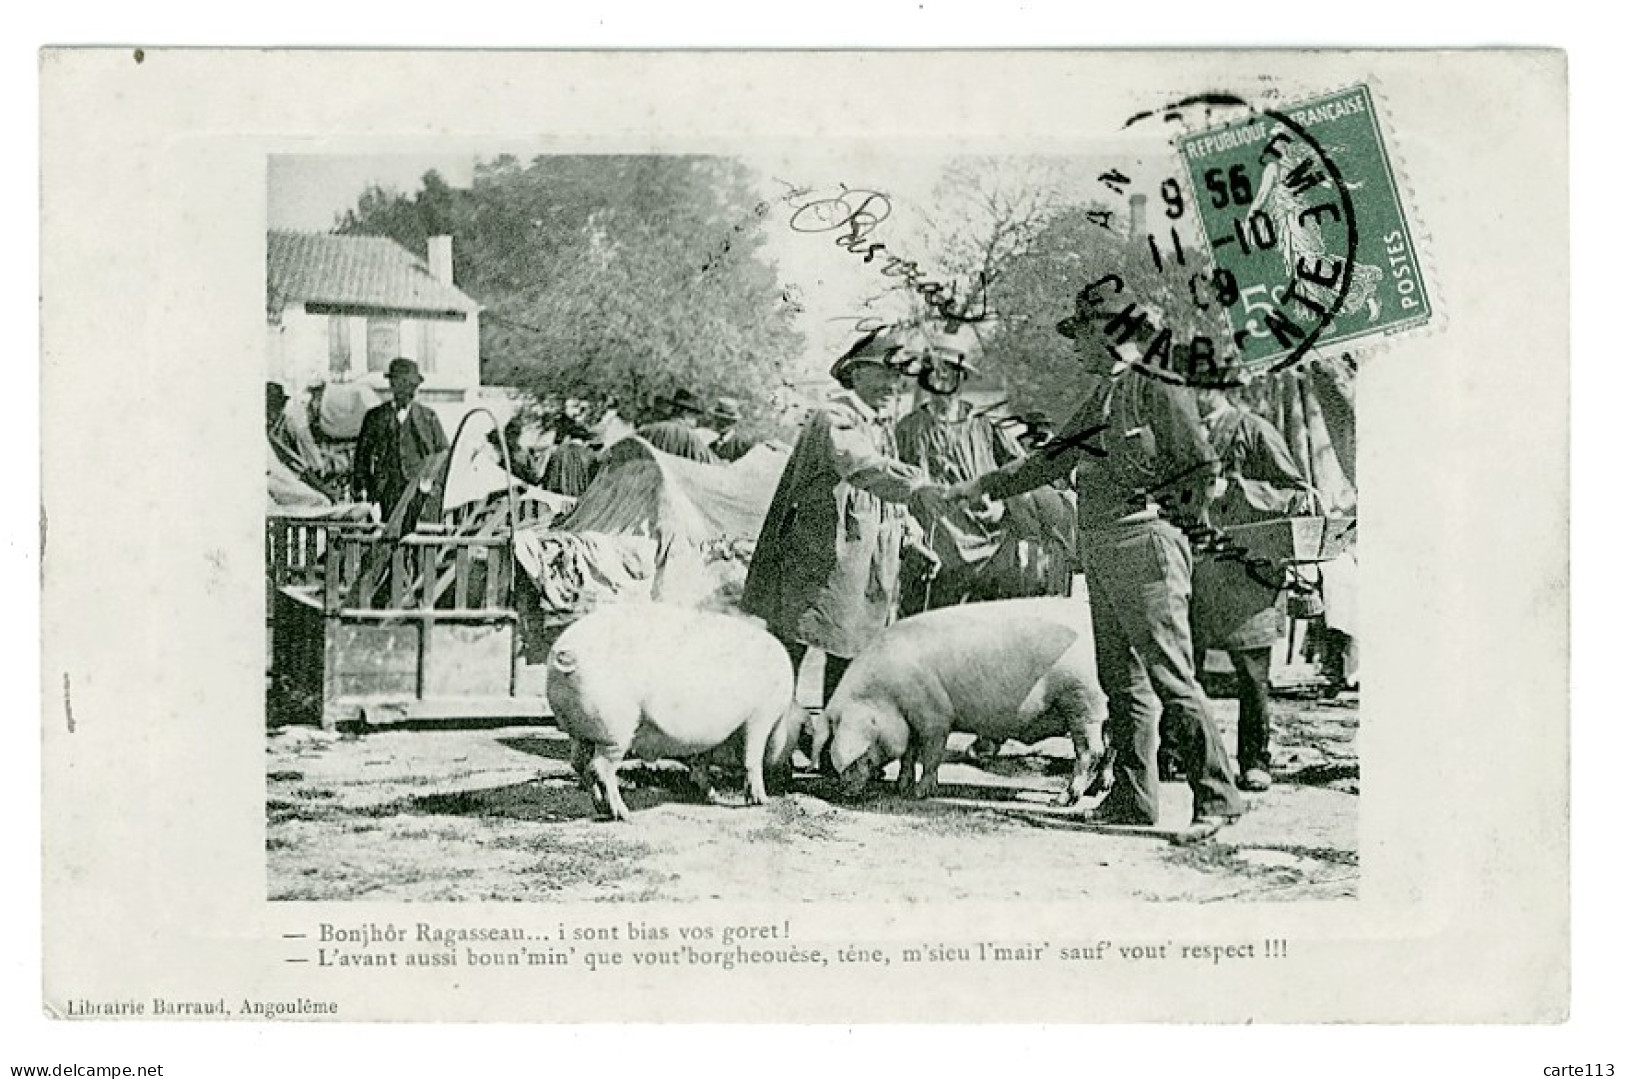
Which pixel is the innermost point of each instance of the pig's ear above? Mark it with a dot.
(890, 731)
(852, 727)
(835, 746)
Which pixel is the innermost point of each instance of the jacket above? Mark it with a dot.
(1135, 443)
(951, 449)
(1230, 609)
(388, 454)
(825, 570)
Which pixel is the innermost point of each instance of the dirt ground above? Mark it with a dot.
(494, 814)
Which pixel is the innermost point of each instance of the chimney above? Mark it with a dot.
(1136, 219)
(440, 258)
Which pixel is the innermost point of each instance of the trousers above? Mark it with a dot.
(1139, 574)
(834, 666)
(1253, 689)
(1252, 666)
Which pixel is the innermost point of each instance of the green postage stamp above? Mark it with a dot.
(1300, 211)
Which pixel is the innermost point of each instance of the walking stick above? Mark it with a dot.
(931, 579)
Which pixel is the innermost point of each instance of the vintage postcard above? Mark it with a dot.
(1088, 526)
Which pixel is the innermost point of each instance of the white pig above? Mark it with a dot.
(1022, 669)
(653, 681)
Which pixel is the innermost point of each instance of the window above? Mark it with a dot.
(338, 346)
(426, 336)
(383, 342)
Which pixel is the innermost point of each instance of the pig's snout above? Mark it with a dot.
(855, 780)
(564, 660)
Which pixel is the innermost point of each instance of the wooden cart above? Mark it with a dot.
(1295, 540)
(372, 627)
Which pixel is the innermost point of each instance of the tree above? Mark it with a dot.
(436, 209)
(983, 211)
(614, 279)
(987, 211)
(1037, 287)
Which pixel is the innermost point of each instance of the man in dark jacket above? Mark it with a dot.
(1231, 608)
(396, 438)
(730, 444)
(1141, 465)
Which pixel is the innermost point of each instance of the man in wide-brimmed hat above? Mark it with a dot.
(396, 438)
(1140, 463)
(679, 433)
(825, 571)
(951, 443)
(730, 445)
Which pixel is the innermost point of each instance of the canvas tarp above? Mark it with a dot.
(343, 406)
(655, 526)
(643, 492)
(1312, 405)
(289, 496)
(578, 571)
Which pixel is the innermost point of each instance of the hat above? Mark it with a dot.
(1037, 421)
(949, 346)
(685, 401)
(1079, 319)
(401, 367)
(876, 347)
(950, 357)
(726, 408)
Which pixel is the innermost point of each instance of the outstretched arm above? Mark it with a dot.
(858, 463)
(1071, 447)
(1269, 475)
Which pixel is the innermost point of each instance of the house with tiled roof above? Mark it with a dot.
(339, 308)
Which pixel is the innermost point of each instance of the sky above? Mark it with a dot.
(307, 192)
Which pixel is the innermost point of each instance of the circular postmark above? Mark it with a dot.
(1268, 267)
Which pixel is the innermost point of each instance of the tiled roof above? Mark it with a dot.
(357, 271)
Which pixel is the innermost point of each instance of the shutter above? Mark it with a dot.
(426, 336)
(383, 342)
(338, 346)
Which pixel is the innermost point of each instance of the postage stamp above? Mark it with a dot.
(1278, 233)
(1300, 210)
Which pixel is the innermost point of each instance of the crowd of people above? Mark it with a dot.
(879, 516)
(863, 498)
(372, 454)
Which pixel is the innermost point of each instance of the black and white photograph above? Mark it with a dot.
(776, 510)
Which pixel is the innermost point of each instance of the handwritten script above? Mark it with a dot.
(1204, 538)
(854, 215)
(1177, 500)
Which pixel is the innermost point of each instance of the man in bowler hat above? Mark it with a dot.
(396, 438)
(680, 433)
(725, 416)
